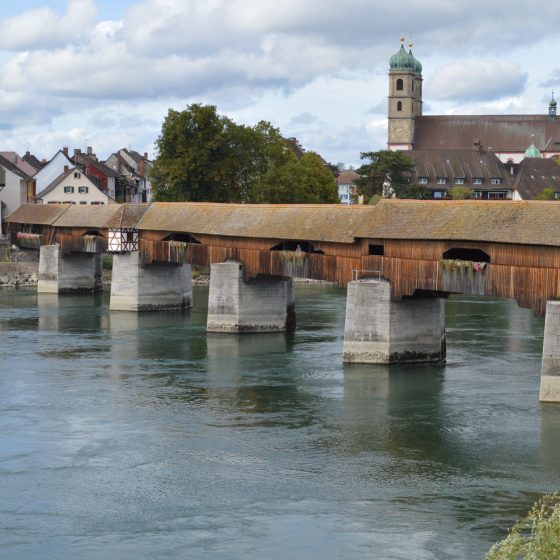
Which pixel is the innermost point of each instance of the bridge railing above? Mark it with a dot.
(164, 251)
(82, 243)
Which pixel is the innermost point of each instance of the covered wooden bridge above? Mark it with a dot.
(404, 254)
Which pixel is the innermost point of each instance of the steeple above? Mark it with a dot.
(552, 107)
(405, 97)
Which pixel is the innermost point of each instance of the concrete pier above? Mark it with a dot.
(380, 331)
(73, 272)
(149, 288)
(550, 369)
(264, 304)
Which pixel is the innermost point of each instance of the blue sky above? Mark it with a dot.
(104, 73)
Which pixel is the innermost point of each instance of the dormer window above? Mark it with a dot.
(459, 180)
(477, 180)
(495, 181)
(422, 180)
(441, 180)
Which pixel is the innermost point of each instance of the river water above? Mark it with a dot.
(141, 437)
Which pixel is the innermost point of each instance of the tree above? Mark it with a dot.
(387, 173)
(293, 181)
(203, 156)
(546, 194)
(460, 192)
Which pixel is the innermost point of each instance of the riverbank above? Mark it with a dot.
(25, 275)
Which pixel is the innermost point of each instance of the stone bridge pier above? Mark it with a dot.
(137, 287)
(550, 369)
(263, 304)
(66, 273)
(380, 331)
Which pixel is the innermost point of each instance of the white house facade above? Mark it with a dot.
(73, 187)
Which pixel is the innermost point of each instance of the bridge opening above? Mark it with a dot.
(460, 253)
(303, 246)
(378, 250)
(184, 237)
(92, 232)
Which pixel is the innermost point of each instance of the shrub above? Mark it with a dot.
(107, 262)
(536, 536)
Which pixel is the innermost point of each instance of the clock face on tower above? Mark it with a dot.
(399, 132)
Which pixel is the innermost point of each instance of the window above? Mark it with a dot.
(438, 194)
(422, 180)
(495, 181)
(83, 190)
(441, 180)
(497, 195)
(459, 180)
(477, 180)
(399, 105)
(77, 175)
(557, 195)
(400, 85)
(476, 194)
(83, 201)
(97, 202)
(53, 202)
(68, 190)
(378, 250)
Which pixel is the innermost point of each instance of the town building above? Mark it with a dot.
(98, 173)
(345, 182)
(495, 156)
(133, 169)
(73, 186)
(505, 135)
(16, 188)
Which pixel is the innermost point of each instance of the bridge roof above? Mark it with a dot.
(89, 216)
(127, 216)
(523, 222)
(318, 222)
(40, 214)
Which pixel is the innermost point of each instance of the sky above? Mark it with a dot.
(104, 73)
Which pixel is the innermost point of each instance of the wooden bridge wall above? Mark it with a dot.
(529, 274)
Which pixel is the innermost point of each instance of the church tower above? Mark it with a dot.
(405, 98)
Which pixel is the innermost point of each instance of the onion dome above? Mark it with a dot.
(402, 61)
(532, 151)
(552, 101)
(405, 61)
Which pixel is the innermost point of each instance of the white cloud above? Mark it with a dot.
(43, 28)
(476, 80)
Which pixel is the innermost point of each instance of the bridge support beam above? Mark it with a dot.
(149, 288)
(381, 331)
(264, 304)
(73, 272)
(550, 369)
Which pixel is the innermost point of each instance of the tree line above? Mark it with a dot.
(206, 157)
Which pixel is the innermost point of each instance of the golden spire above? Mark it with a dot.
(402, 36)
(410, 42)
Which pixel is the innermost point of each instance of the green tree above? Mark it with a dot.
(202, 156)
(386, 173)
(546, 194)
(460, 192)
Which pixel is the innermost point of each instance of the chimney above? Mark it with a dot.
(77, 152)
(65, 150)
(145, 155)
(141, 167)
(66, 169)
(89, 150)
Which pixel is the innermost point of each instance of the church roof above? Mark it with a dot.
(458, 164)
(532, 151)
(499, 133)
(536, 174)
